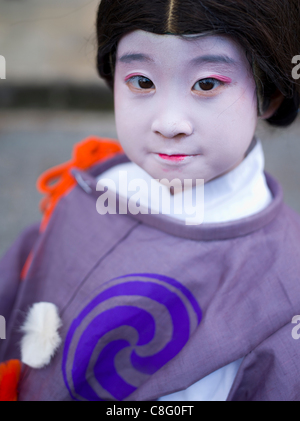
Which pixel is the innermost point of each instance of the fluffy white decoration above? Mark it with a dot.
(41, 339)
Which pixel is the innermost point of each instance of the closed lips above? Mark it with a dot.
(175, 157)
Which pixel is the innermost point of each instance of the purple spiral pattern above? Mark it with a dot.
(115, 344)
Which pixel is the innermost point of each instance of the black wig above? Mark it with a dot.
(268, 30)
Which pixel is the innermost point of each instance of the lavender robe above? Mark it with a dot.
(150, 306)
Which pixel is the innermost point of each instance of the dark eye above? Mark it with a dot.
(145, 83)
(207, 84)
(141, 82)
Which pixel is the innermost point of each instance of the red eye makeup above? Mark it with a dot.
(224, 79)
(132, 75)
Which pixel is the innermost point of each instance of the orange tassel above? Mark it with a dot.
(9, 379)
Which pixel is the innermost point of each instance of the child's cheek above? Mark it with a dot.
(133, 114)
(239, 115)
(128, 123)
(247, 99)
(124, 112)
(233, 131)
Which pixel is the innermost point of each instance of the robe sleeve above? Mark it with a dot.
(271, 372)
(11, 267)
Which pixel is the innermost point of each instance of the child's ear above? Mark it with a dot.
(275, 102)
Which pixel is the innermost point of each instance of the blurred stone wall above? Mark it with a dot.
(49, 41)
(50, 51)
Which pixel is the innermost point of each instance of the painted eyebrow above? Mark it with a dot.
(215, 59)
(129, 58)
(220, 59)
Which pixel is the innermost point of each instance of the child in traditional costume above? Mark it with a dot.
(142, 305)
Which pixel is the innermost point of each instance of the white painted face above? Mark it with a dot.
(185, 108)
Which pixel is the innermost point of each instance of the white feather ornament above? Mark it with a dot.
(41, 339)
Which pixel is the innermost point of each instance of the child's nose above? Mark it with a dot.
(170, 125)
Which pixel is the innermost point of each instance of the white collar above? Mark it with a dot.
(240, 193)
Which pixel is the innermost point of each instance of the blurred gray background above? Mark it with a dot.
(53, 98)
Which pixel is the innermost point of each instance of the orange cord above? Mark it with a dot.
(9, 379)
(58, 181)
